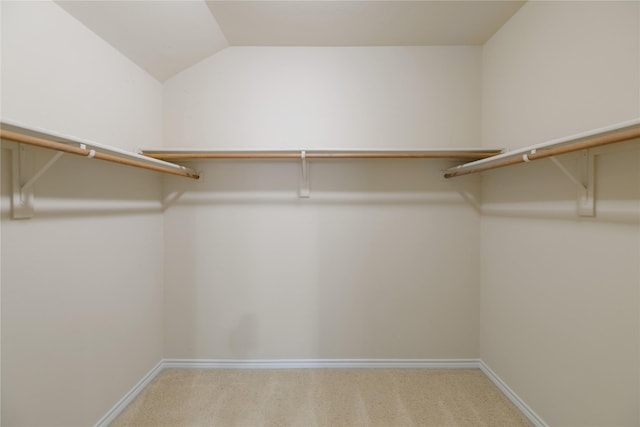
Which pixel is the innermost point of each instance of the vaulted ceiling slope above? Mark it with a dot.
(165, 37)
(162, 37)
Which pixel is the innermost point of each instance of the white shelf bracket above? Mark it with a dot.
(170, 199)
(22, 168)
(584, 182)
(304, 176)
(42, 170)
(22, 198)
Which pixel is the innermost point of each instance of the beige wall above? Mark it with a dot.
(559, 293)
(557, 68)
(81, 281)
(386, 260)
(55, 70)
(381, 262)
(284, 97)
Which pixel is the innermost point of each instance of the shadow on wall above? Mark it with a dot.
(331, 181)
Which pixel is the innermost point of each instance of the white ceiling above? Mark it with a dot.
(360, 23)
(164, 37)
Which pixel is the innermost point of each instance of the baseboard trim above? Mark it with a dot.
(321, 363)
(128, 398)
(512, 396)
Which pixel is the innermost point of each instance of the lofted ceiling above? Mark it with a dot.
(164, 37)
(360, 23)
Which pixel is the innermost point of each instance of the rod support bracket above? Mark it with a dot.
(23, 178)
(22, 197)
(305, 191)
(586, 196)
(170, 199)
(584, 181)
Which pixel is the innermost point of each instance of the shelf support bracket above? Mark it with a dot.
(584, 182)
(22, 197)
(22, 167)
(170, 199)
(305, 191)
(27, 185)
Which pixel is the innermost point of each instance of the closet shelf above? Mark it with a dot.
(583, 141)
(46, 139)
(196, 154)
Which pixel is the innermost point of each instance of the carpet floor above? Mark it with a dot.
(321, 397)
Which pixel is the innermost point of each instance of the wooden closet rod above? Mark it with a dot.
(541, 152)
(461, 154)
(66, 148)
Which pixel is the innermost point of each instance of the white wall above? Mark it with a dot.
(559, 293)
(278, 98)
(558, 68)
(82, 282)
(381, 262)
(55, 70)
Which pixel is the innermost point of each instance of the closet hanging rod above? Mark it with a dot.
(188, 154)
(88, 150)
(605, 136)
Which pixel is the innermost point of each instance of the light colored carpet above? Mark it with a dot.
(321, 397)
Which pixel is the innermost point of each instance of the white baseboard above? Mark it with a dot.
(321, 363)
(512, 396)
(122, 403)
